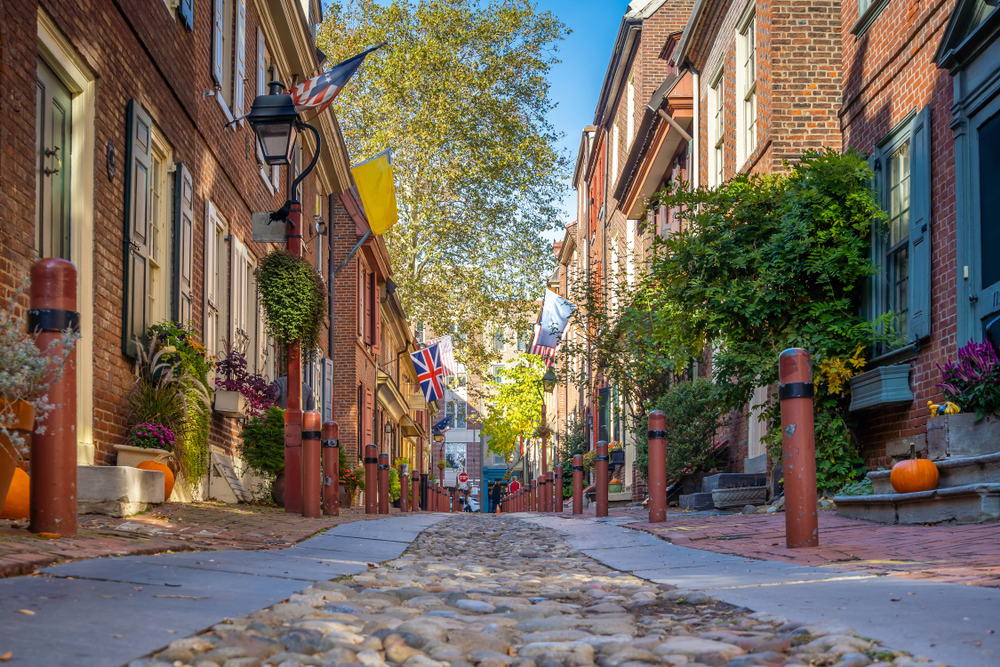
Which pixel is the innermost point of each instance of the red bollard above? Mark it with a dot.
(559, 487)
(371, 479)
(404, 489)
(293, 458)
(383, 483)
(550, 487)
(311, 475)
(52, 491)
(798, 448)
(602, 478)
(416, 492)
(657, 467)
(533, 497)
(541, 493)
(578, 484)
(331, 469)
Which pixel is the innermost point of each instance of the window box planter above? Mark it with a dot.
(960, 436)
(230, 404)
(617, 457)
(882, 386)
(132, 456)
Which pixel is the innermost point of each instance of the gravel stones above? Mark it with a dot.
(530, 600)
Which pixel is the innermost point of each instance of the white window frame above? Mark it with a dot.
(716, 130)
(216, 278)
(746, 85)
(263, 66)
(161, 223)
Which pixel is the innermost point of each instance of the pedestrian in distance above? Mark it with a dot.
(496, 491)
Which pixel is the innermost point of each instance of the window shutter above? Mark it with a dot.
(369, 328)
(261, 334)
(218, 21)
(186, 12)
(369, 416)
(920, 227)
(261, 80)
(376, 317)
(361, 301)
(182, 301)
(327, 389)
(210, 327)
(137, 225)
(868, 299)
(240, 87)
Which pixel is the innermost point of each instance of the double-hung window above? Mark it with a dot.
(269, 175)
(746, 88)
(901, 243)
(717, 134)
(159, 233)
(229, 27)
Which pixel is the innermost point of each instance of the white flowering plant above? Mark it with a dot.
(26, 372)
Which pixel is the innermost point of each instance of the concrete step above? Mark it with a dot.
(972, 503)
(696, 502)
(732, 480)
(117, 491)
(953, 473)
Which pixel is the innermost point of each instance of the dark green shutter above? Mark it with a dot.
(920, 227)
(603, 401)
(181, 303)
(186, 11)
(869, 300)
(138, 159)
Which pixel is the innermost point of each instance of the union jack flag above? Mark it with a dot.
(319, 92)
(429, 372)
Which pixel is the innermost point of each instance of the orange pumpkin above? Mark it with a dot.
(614, 481)
(168, 475)
(16, 506)
(914, 475)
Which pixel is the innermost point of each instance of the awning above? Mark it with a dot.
(410, 428)
(390, 398)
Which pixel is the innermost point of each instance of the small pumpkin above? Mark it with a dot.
(17, 504)
(614, 481)
(914, 475)
(168, 475)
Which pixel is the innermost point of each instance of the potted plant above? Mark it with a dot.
(353, 479)
(973, 384)
(26, 374)
(394, 488)
(617, 453)
(239, 393)
(262, 448)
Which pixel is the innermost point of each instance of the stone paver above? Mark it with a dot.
(171, 527)
(501, 592)
(953, 554)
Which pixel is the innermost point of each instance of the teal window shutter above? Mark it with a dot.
(186, 11)
(138, 208)
(327, 389)
(920, 227)
(183, 260)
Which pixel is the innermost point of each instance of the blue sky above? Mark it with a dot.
(576, 81)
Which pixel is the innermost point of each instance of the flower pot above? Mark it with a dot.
(18, 416)
(230, 403)
(132, 456)
(278, 490)
(617, 457)
(346, 496)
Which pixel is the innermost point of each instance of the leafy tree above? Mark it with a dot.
(515, 407)
(460, 96)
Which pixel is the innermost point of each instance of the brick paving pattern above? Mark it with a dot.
(172, 527)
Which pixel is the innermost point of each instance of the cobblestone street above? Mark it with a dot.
(501, 592)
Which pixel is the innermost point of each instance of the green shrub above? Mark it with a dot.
(294, 298)
(262, 443)
(394, 488)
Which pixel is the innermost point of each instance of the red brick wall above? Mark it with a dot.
(889, 72)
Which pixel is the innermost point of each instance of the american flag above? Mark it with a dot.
(318, 93)
(447, 355)
(429, 372)
(548, 354)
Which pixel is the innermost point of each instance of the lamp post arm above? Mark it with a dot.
(312, 163)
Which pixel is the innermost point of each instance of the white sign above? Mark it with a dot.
(266, 230)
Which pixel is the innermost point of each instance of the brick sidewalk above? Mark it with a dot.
(171, 527)
(953, 554)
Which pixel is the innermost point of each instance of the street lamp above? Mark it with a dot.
(277, 125)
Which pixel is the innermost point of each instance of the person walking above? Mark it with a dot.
(496, 492)
(514, 486)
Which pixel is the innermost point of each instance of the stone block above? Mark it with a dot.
(755, 464)
(696, 502)
(117, 490)
(732, 480)
(954, 436)
(900, 447)
(974, 503)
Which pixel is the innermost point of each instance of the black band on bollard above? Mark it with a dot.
(796, 390)
(603, 457)
(311, 435)
(53, 319)
(331, 443)
(580, 468)
(371, 459)
(383, 466)
(557, 477)
(656, 435)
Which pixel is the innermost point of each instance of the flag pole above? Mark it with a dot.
(351, 254)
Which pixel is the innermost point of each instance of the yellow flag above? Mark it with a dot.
(378, 192)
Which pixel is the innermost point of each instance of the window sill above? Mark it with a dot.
(866, 20)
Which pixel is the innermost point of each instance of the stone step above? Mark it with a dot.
(117, 491)
(696, 502)
(972, 503)
(732, 480)
(953, 473)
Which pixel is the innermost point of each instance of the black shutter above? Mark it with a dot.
(183, 262)
(138, 160)
(920, 227)
(186, 11)
(604, 399)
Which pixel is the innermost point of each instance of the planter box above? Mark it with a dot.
(230, 403)
(617, 457)
(885, 385)
(958, 436)
(131, 457)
